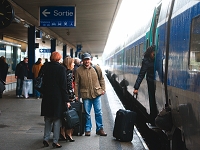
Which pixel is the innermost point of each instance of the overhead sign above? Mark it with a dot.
(57, 16)
(44, 50)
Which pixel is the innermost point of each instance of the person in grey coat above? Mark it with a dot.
(55, 98)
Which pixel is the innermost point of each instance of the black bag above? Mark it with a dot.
(71, 118)
(124, 125)
(79, 130)
(38, 84)
(2, 86)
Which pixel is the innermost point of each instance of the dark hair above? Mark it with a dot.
(149, 51)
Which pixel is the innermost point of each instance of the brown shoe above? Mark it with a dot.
(101, 133)
(87, 133)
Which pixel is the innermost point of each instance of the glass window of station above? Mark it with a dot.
(12, 53)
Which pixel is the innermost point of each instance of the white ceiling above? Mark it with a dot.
(94, 19)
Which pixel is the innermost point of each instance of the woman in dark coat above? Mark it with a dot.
(148, 69)
(3, 70)
(54, 99)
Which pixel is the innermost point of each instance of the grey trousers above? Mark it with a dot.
(49, 123)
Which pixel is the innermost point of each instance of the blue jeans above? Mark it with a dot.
(37, 94)
(19, 86)
(96, 102)
(56, 123)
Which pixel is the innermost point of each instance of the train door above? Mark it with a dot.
(151, 33)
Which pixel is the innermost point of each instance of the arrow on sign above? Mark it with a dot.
(45, 12)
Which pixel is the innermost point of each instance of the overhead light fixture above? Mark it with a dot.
(17, 20)
(26, 25)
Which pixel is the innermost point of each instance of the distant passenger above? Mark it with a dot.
(55, 98)
(3, 70)
(148, 69)
(35, 70)
(21, 74)
(76, 64)
(92, 85)
(46, 61)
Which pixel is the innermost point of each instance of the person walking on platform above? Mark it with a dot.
(21, 74)
(55, 98)
(3, 70)
(91, 82)
(35, 70)
(66, 132)
(148, 69)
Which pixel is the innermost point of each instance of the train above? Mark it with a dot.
(174, 29)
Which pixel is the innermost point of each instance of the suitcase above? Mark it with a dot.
(79, 130)
(124, 125)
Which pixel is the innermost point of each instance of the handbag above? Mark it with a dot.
(39, 80)
(71, 118)
(2, 86)
(38, 83)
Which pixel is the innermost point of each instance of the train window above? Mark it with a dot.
(128, 57)
(195, 45)
(141, 47)
(137, 55)
(133, 56)
(119, 59)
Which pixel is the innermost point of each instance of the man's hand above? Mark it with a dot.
(103, 92)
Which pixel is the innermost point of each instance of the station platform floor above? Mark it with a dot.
(22, 127)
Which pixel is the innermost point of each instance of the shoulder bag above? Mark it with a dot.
(39, 80)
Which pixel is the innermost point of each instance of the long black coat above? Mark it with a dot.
(148, 69)
(55, 90)
(3, 70)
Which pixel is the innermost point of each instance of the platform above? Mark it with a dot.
(22, 127)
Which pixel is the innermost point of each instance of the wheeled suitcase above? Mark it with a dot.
(124, 125)
(79, 130)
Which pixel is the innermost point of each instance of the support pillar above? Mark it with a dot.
(53, 45)
(31, 53)
(71, 52)
(31, 49)
(64, 51)
(76, 53)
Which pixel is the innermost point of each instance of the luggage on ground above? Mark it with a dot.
(124, 125)
(79, 130)
(26, 87)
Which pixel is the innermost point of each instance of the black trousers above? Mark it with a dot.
(152, 100)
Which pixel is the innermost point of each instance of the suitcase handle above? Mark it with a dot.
(135, 95)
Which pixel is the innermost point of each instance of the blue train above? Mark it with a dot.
(174, 28)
